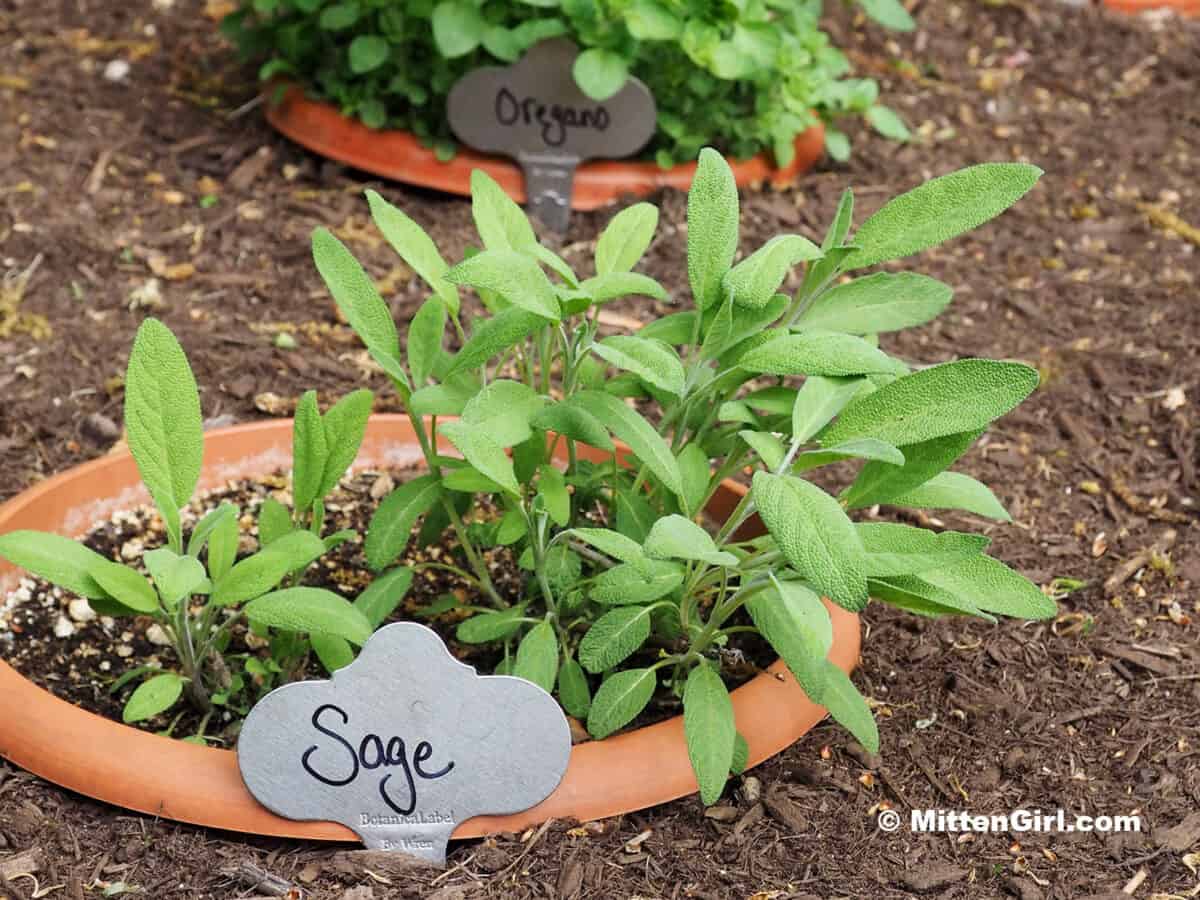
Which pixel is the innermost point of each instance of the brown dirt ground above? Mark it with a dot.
(1092, 278)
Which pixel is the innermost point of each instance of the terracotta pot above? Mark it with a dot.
(400, 156)
(159, 776)
(1183, 7)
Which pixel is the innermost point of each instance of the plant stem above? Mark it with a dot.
(460, 530)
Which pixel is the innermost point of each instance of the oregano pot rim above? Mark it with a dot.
(169, 778)
(399, 155)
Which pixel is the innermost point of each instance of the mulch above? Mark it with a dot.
(164, 192)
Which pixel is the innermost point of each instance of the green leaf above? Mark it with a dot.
(309, 452)
(495, 335)
(537, 656)
(466, 480)
(618, 701)
(940, 209)
(162, 418)
(612, 543)
(458, 27)
(311, 611)
(817, 353)
(563, 568)
(768, 447)
(484, 628)
(274, 521)
(447, 399)
(650, 20)
(754, 281)
(842, 220)
(483, 453)
(857, 448)
(894, 549)
(367, 53)
(223, 546)
(889, 14)
(392, 523)
(600, 73)
(59, 560)
(675, 329)
(614, 637)
(818, 401)
(573, 690)
(881, 482)
(677, 537)
(384, 595)
(709, 729)
(652, 361)
(848, 707)
(695, 474)
(394, 371)
(646, 443)
(415, 247)
(916, 594)
(573, 422)
(339, 16)
(626, 238)
(176, 577)
(611, 285)
(992, 586)
(877, 303)
(942, 400)
(204, 528)
(712, 235)
(552, 488)
(333, 652)
(125, 585)
(425, 339)
(257, 574)
(355, 294)
(345, 425)
(741, 755)
(952, 490)
(514, 276)
(837, 145)
(635, 516)
(635, 582)
(502, 412)
(887, 122)
(501, 223)
(815, 536)
(796, 624)
(153, 696)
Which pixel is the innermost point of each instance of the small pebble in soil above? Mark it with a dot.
(63, 627)
(156, 635)
(116, 70)
(80, 610)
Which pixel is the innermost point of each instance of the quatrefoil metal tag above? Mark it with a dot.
(533, 112)
(404, 744)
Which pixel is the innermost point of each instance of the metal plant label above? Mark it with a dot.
(404, 744)
(534, 112)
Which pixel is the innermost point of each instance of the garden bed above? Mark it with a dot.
(1109, 315)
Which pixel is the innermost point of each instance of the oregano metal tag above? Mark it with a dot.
(533, 112)
(404, 744)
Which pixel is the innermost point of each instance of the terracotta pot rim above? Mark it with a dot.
(140, 771)
(1183, 7)
(399, 155)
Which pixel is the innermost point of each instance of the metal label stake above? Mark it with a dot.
(533, 112)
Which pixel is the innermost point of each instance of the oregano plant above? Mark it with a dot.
(594, 457)
(748, 76)
(198, 590)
